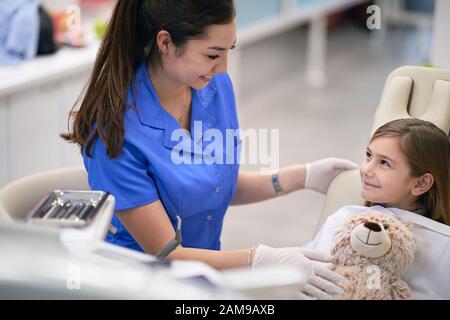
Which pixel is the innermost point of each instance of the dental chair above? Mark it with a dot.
(409, 92)
(18, 198)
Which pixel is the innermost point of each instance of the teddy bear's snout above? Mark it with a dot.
(370, 239)
(375, 227)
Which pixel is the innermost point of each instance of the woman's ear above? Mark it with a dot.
(164, 41)
(422, 184)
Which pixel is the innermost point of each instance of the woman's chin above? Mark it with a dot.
(199, 86)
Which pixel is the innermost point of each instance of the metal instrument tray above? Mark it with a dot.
(69, 208)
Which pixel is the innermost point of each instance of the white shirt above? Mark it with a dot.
(429, 274)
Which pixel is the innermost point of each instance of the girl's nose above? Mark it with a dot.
(366, 168)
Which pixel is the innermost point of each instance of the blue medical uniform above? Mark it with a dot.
(200, 191)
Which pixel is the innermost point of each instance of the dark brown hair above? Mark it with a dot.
(130, 40)
(427, 149)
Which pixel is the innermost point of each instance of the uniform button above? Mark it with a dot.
(217, 189)
(209, 217)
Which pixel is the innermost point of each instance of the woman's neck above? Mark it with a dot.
(167, 89)
(174, 97)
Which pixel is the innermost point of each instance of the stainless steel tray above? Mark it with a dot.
(69, 208)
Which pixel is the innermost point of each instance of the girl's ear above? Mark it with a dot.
(422, 184)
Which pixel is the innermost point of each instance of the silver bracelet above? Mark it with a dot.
(276, 185)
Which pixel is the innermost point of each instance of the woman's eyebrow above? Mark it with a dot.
(223, 49)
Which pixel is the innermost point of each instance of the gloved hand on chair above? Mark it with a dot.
(319, 174)
(319, 282)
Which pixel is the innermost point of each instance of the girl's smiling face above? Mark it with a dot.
(386, 175)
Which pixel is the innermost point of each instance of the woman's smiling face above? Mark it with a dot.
(385, 174)
(200, 59)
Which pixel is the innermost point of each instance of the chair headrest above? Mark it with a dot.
(416, 92)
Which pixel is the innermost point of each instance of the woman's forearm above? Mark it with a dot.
(216, 259)
(255, 187)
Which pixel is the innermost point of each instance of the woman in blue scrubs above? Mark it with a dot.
(158, 95)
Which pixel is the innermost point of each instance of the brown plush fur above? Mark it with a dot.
(375, 278)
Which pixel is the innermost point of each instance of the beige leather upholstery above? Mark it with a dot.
(416, 92)
(18, 198)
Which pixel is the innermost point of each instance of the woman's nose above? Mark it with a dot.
(222, 66)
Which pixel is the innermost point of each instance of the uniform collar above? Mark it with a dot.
(151, 113)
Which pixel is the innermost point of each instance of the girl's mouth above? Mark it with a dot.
(367, 185)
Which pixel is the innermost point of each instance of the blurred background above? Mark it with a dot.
(313, 69)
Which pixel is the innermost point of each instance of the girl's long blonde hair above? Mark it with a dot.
(427, 149)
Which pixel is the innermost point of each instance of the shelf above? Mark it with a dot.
(44, 69)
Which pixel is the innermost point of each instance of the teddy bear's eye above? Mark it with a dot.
(386, 226)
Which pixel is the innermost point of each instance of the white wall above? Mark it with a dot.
(56, 5)
(30, 124)
(440, 52)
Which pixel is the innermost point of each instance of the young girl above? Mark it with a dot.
(406, 174)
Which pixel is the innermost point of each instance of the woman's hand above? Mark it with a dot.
(319, 174)
(319, 282)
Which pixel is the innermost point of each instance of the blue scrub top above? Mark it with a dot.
(199, 192)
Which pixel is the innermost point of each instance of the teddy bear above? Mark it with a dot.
(373, 251)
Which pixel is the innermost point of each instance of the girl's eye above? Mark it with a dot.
(385, 163)
(368, 155)
(213, 57)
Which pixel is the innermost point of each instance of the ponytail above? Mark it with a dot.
(105, 97)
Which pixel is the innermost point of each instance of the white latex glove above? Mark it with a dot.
(319, 282)
(319, 174)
